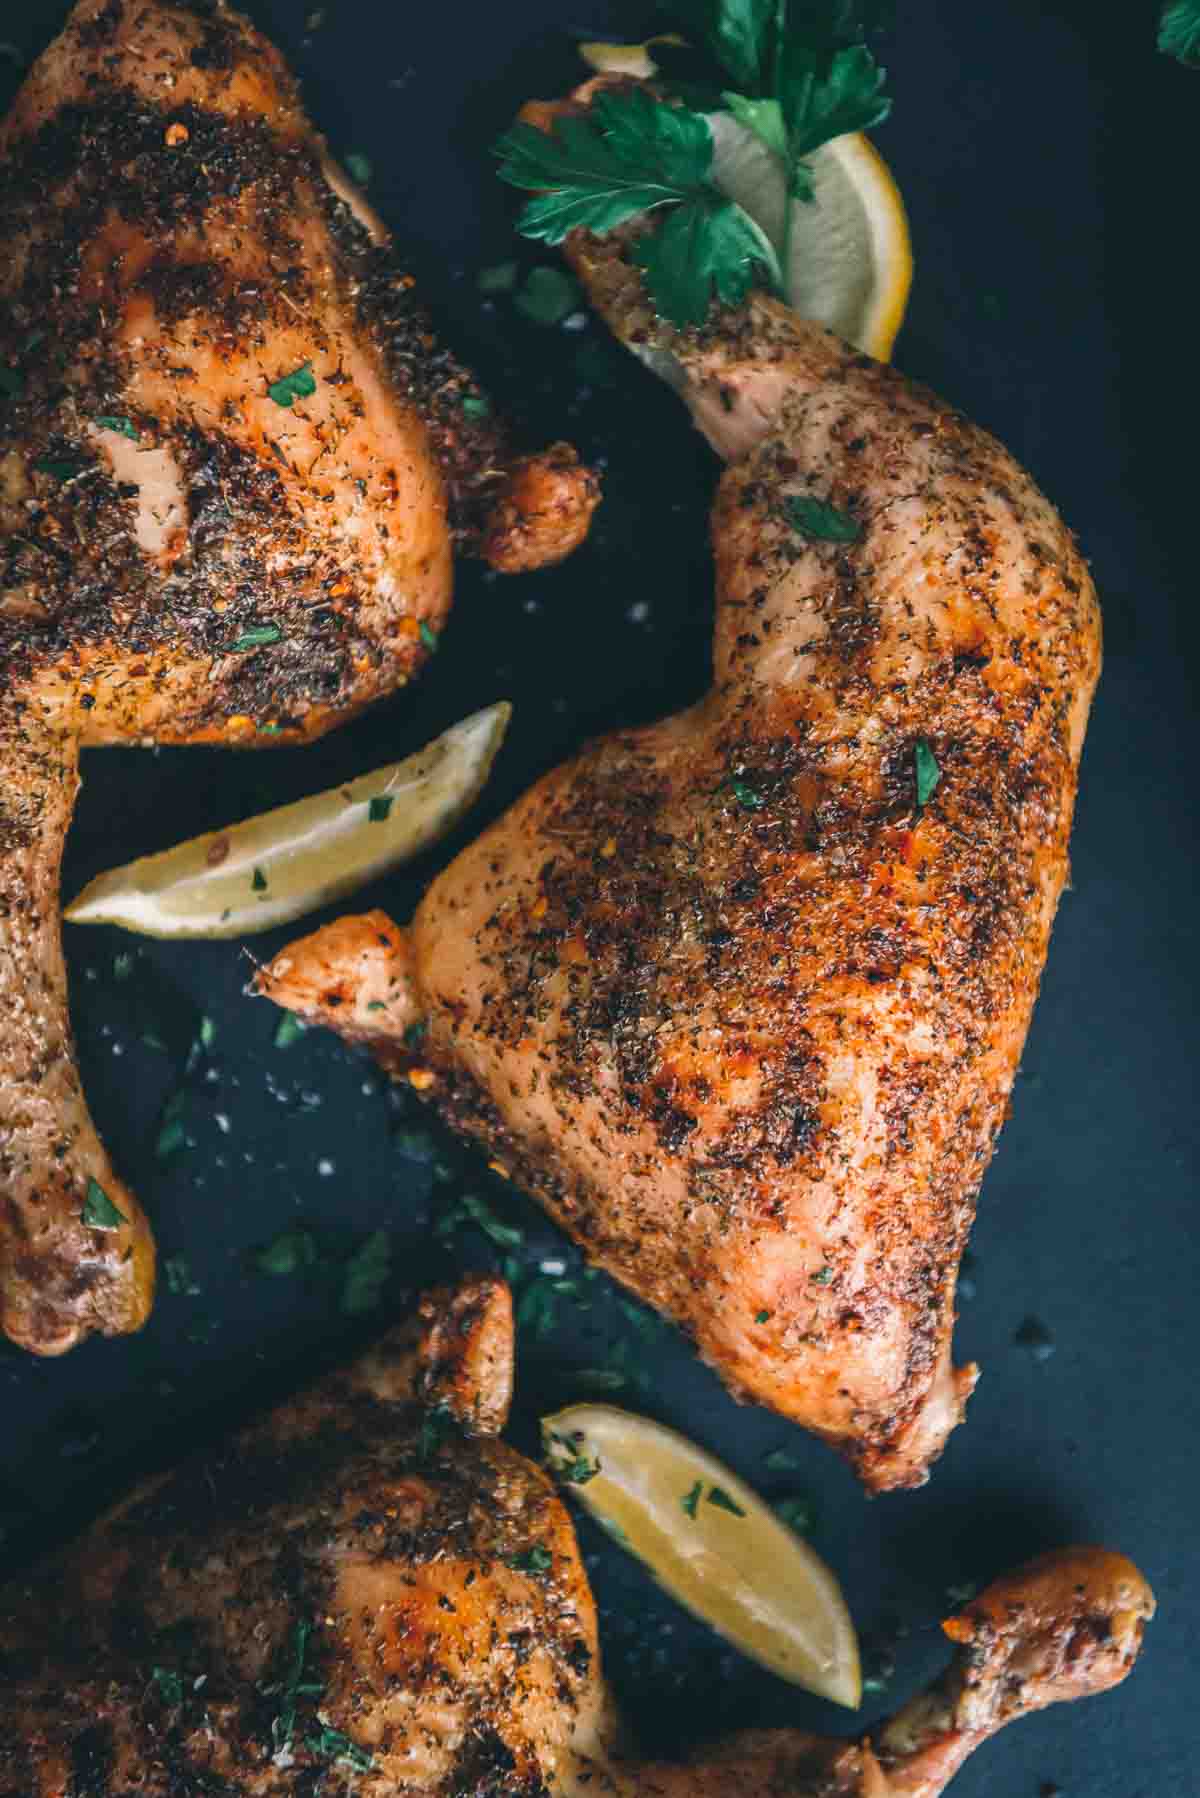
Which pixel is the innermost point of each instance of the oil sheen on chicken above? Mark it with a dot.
(367, 1592)
(234, 464)
(740, 996)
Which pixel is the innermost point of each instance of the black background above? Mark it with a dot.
(1048, 157)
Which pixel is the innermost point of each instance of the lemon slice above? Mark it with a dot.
(285, 862)
(849, 262)
(711, 1542)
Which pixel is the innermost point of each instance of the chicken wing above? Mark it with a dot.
(233, 467)
(740, 996)
(367, 1591)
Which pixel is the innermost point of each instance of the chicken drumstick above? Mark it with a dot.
(233, 465)
(740, 996)
(347, 1597)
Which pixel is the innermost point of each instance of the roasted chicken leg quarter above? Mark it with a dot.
(233, 467)
(368, 1592)
(740, 996)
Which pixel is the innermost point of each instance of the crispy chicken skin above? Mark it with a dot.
(189, 551)
(344, 1598)
(738, 1009)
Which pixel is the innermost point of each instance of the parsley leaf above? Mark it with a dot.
(99, 1212)
(822, 96)
(814, 518)
(718, 1496)
(927, 773)
(630, 154)
(710, 246)
(740, 34)
(690, 1500)
(299, 385)
(1179, 31)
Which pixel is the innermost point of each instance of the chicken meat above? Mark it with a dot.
(233, 467)
(740, 996)
(368, 1591)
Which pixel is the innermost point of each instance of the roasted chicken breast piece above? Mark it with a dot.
(234, 465)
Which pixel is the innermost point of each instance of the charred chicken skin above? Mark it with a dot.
(347, 1597)
(741, 996)
(233, 467)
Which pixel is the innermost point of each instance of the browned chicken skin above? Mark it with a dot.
(346, 1595)
(720, 992)
(190, 552)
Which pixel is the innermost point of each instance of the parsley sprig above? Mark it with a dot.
(801, 75)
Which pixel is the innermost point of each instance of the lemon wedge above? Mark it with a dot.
(848, 263)
(711, 1542)
(280, 864)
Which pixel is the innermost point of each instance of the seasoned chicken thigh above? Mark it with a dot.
(368, 1592)
(740, 996)
(233, 467)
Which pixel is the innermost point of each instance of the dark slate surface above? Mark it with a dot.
(1042, 150)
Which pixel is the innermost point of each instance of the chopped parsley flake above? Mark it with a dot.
(718, 1496)
(691, 1500)
(927, 772)
(365, 1274)
(814, 518)
(436, 1426)
(380, 807)
(797, 1513)
(568, 1461)
(501, 277)
(299, 385)
(548, 296)
(125, 426)
(429, 636)
(748, 797)
(780, 1461)
(476, 406)
(179, 1277)
(288, 1253)
(258, 881)
(358, 166)
(99, 1212)
(822, 1277)
(533, 1560)
(762, 1317)
(332, 1744)
(170, 1686)
(259, 636)
(289, 1030)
